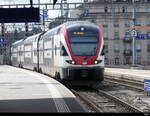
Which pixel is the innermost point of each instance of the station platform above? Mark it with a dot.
(27, 91)
(133, 74)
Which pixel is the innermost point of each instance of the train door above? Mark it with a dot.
(18, 56)
(48, 54)
(57, 51)
(28, 55)
(41, 54)
(34, 52)
(53, 53)
(15, 55)
(22, 55)
(11, 54)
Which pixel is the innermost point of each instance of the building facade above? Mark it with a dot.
(115, 17)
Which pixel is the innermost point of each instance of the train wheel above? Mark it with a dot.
(57, 76)
(40, 70)
(21, 66)
(35, 69)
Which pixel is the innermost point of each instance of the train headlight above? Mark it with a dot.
(96, 62)
(70, 61)
(73, 62)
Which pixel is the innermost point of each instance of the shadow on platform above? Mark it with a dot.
(47, 105)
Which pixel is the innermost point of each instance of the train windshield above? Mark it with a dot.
(84, 43)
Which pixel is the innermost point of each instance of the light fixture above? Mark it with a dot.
(96, 62)
(82, 28)
(73, 62)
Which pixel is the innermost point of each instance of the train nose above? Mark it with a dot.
(84, 73)
(84, 60)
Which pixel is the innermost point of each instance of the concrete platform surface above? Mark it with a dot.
(133, 74)
(27, 91)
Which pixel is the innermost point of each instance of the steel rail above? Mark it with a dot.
(127, 83)
(109, 96)
(87, 101)
(123, 103)
(125, 80)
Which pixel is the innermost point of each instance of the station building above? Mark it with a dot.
(115, 17)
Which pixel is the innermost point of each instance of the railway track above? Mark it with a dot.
(89, 103)
(119, 101)
(126, 82)
(100, 101)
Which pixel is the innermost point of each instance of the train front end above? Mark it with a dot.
(85, 46)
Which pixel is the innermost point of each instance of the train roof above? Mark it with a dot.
(17, 42)
(67, 24)
(72, 23)
(31, 38)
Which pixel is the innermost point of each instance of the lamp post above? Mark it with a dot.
(61, 8)
(43, 16)
(134, 34)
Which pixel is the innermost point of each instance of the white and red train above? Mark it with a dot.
(72, 52)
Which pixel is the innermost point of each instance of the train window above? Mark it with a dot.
(80, 49)
(103, 51)
(58, 31)
(35, 52)
(63, 51)
(81, 40)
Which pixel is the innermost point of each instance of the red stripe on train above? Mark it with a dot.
(82, 60)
